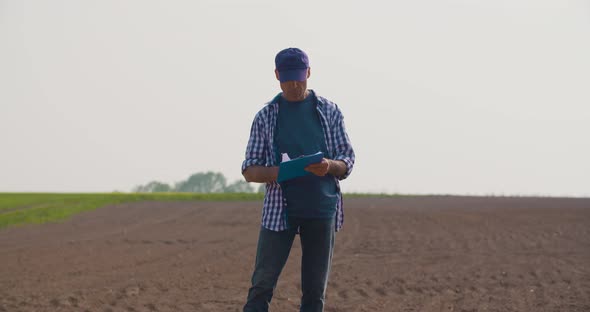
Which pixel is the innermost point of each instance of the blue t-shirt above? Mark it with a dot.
(299, 132)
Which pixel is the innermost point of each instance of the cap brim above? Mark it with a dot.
(293, 74)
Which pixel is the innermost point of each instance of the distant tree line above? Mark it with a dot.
(201, 182)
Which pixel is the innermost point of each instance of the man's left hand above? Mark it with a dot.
(320, 168)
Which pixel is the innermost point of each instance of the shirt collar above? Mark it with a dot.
(275, 100)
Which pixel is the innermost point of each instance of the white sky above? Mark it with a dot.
(439, 96)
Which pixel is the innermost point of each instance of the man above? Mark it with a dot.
(297, 122)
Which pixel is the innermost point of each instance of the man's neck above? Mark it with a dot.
(298, 99)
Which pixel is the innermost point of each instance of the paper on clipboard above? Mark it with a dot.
(295, 168)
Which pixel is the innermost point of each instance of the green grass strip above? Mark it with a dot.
(37, 208)
(11, 201)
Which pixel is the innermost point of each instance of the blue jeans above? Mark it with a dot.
(317, 245)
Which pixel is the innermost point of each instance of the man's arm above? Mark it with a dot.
(253, 167)
(342, 164)
(344, 151)
(261, 174)
(336, 168)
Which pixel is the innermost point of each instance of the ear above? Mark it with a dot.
(277, 74)
(308, 72)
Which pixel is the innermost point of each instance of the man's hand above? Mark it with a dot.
(320, 169)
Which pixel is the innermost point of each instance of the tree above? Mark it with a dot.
(240, 186)
(209, 182)
(153, 187)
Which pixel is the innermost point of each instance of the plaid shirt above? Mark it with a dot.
(261, 152)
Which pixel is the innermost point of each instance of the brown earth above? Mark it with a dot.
(394, 254)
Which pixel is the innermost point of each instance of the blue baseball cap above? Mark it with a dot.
(292, 64)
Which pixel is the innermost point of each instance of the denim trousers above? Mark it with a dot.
(317, 246)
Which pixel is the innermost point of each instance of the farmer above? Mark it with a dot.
(297, 122)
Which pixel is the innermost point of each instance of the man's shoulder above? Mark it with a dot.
(268, 107)
(326, 104)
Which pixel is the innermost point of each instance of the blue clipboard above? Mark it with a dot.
(295, 167)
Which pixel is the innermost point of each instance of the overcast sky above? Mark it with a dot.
(445, 97)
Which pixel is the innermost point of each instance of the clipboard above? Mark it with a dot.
(295, 167)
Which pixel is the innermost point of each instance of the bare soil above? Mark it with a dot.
(438, 253)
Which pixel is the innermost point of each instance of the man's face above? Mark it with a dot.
(294, 90)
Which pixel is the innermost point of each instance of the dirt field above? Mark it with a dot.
(395, 254)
